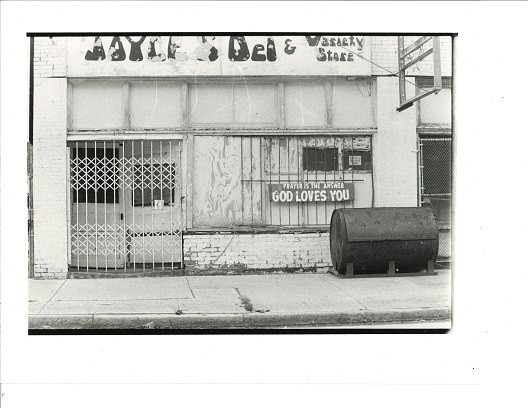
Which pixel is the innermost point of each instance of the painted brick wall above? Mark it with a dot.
(385, 54)
(395, 174)
(49, 177)
(49, 158)
(49, 57)
(394, 149)
(291, 251)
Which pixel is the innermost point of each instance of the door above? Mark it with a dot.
(153, 204)
(126, 205)
(97, 223)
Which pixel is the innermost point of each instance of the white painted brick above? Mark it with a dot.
(49, 178)
(261, 251)
(384, 53)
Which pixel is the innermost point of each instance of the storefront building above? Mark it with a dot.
(213, 154)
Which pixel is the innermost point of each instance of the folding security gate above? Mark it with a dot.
(125, 199)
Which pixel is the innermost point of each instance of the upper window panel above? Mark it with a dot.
(353, 104)
(155, 105)
(255, 103)
(304, 104)
(97, 105)
(211, 104)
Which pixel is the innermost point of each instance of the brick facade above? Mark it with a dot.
(385, 54)
(283, 251)
(49, 158)
(395, 173)
(49, 58)
(394, 162)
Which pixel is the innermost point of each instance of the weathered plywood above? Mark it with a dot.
(252, 204)
(217, 181)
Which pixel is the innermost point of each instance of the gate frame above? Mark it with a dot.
(127, 136)
(433, 134)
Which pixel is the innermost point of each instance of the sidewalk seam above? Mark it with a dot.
(341, 290)
(51, 298)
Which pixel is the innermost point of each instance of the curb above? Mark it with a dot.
(234, 321)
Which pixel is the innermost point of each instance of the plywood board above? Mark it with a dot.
(217, 181)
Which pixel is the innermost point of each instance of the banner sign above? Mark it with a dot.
(311, 191)
(218, 56)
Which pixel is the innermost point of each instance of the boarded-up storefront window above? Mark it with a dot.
(353, 104)
(304, 104)
(217, 199)
(233, 104)
(255, 104)
(234, 176)
(97, 105)
(211, 103)
(155, 105)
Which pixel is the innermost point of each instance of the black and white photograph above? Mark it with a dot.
(267, 203)
(240, 181)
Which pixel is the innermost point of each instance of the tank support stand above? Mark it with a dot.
(391, 272)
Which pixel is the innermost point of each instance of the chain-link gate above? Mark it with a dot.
(435, 184)
(125, 200)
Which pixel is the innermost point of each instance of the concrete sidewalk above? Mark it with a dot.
(241, 301)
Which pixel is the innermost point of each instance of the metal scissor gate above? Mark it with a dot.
(125, 201)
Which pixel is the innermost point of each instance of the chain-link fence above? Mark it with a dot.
(435, 185)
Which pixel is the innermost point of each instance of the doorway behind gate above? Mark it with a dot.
(125, 205)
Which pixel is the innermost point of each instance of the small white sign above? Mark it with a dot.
(356, 160)
(361, 143)
(158, 204)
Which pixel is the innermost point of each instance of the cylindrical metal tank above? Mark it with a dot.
(370, 238)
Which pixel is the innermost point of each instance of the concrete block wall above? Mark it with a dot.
(385, 54)
(49, 159)
(284, 251)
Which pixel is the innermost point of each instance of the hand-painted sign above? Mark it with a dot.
(311, 191)
(226, 55)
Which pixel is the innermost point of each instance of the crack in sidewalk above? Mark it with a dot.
(189, 285)
(246, 302)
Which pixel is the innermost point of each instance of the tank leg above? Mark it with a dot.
(349, 269)
(430, 266)
(392, 268)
